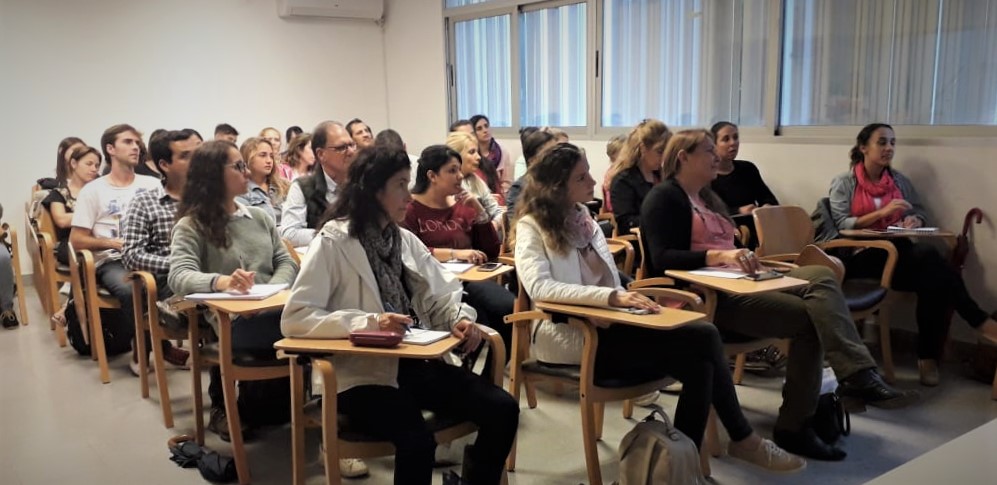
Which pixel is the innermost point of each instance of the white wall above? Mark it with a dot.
(77, 67)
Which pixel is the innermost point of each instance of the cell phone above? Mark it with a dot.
(768, 275)
(489, 267)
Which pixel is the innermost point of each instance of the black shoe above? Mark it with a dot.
(868, 387)
(806, 443)
(218, 424)
(9, 319)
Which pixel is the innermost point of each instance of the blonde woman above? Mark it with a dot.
(613, 149)
(272, 135)
(266, 188)
(637, 170)
(467, 146)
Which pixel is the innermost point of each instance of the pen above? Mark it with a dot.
(391, 309)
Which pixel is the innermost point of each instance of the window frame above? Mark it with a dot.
(771, 131)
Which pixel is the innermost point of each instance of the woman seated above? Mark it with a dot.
(83, 163)
(496, 168)
(874, 195)
(533, 144)
(738, 183)
(299, 157)
(613, 149)
(637, 169)
(563, 258)
(364, 272)
(456, 227)
(465, 145)
(220, 244)
(267, 188)
(685, 226)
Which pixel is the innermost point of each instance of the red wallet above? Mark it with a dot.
(375, 338)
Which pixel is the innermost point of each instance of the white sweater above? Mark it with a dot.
(336, 293)
(551, 277)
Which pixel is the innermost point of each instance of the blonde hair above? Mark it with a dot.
(459, 141)
(688, 141)
(647, 135)
(249, 148)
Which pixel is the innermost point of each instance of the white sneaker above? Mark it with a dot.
(646, 400)
(769, 456)
(352, 468)
(133, 365)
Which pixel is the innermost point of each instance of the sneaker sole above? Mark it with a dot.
(770, 470)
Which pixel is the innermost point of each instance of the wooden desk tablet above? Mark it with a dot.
(243, 307)
(739, 286)
(669, 318)
(319, 347)
(475, 274)
(947, 236)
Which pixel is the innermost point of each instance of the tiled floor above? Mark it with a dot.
(58, 424)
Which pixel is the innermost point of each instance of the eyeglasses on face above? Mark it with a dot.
(239, 166)
(342, 148)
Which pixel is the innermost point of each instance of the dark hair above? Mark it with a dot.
(202, 199)
(527, 131)
(61, 165)
(354, 121)
(862, 140)
(474, 122)
(368, 175)
(225, 129)
(457, 124)
(81, 152)
(159, 146)
(487, 166)
(545, 195)
(434, 157)
(715, 129)
(389, 138)
(320, 136)
(111, 135)
(192, 132)
(535, 142)
(292, 131)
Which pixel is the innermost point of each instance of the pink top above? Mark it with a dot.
(709, 229)
(285, 171)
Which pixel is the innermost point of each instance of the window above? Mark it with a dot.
(482, 68)
(686, 62)
(461, 3)
(552, 87)
(907, 62)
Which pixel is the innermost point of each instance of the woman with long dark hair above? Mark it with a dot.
(496, 164)
(365, 272)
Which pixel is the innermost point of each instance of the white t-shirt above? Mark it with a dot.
(101, 207)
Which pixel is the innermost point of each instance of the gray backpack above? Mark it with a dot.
(654, 452)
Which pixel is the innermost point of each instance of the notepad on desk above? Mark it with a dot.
(257, 292)
(420, 336)
(457, 268)
(718, 273)
(911, 229)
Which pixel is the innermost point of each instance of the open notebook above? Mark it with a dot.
(419, 336)
(257, 292)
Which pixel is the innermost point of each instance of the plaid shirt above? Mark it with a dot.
(146, 230)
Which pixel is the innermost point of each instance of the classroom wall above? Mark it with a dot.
(77, 67)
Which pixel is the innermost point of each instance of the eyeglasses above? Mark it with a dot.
(343, 148)
(239, 166)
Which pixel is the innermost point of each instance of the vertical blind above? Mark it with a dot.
(552, 87)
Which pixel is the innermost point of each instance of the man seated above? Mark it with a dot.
(226, 132)
(151, 216)
(97, 220)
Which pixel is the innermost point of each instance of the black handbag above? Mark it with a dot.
(831, 421)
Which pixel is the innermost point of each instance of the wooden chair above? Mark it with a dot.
(34, 252)
(8, 235)
(785, 232)
(340, 440)
(593, 395)
(144, 296)
(90, 299)
(234, 368)
(622, 247)
(56, 274)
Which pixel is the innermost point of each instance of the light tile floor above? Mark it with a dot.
(58, 424)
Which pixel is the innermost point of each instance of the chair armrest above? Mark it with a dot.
(525, 318)
(144, 282)
(496, 352)
(657, 281)
(507, 259)
(689, 298)
(779, 264)
(891, 253)
(786, 257)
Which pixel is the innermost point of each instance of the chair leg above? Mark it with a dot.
(739, 362)
(515, 374)
(883, 319)
(589, 442)
(628, 409)
(297, 422)
(195, 374)
(531, 392)
(600, 418)
(235, 426)
(19, 280)
(141, 353)
(97, 348)
(330, 434)
(162, 382)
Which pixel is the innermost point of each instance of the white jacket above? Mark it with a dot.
(551, 277)
(336, 293)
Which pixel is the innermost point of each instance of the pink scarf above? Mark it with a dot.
(871, 196)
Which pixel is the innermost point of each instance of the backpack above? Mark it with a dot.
(110, 320)
(654, 452)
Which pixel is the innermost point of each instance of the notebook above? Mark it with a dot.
(419, 336)
(457, 268)
(257, 292)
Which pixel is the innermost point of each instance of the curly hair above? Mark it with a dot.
(368, 175)
(202, 200)
(545, 196)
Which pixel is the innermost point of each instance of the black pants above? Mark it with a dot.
(939, 287)
(493, 303)
(112, 276)
(250, 335)
(395, 415)
(693, 354)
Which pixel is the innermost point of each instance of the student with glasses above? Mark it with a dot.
(686, 226)
(309, 196)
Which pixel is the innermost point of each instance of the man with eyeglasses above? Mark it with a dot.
(309, 196)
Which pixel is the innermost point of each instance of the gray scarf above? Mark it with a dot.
(383, 250)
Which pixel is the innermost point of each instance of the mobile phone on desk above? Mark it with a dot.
(489, 267)
(632, 311)
(762, 276)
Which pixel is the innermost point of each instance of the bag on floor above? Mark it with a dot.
(831, 420)
(114, 341)
(654, 452)
(266, 402)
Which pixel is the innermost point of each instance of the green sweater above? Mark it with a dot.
(195, 263)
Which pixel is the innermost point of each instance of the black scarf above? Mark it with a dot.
(383, 250)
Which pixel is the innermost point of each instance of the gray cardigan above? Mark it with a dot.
(843, 190)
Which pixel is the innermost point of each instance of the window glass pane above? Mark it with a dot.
(461, 3)
(483, 69)
(552, 73)
(916, 62)
(686, 62)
